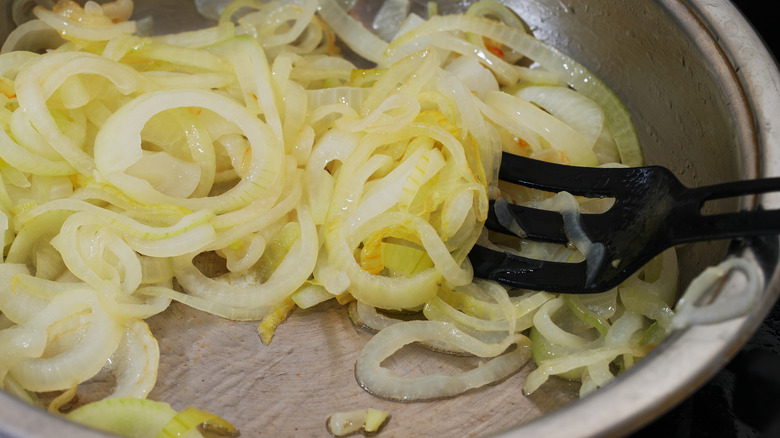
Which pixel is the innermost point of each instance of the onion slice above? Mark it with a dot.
(381, 382)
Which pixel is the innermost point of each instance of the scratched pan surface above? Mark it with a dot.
(702, 90)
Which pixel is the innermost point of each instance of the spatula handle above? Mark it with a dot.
(691, 224)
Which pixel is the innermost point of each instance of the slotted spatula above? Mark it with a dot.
(652, 211)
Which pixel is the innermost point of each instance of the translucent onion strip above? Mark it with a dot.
(381, 382)
(363, 42)
(249, 301)
(617, 117)
(67, 369)
(41, 78)
(135, 361)
(690, 311)
(74, 29)
(564, 364)
(127, 122)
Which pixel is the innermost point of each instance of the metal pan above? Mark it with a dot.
(704, 93)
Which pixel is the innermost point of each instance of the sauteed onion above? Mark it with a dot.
(127, 159)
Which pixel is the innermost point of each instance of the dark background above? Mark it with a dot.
(765, 18)
(743, 400)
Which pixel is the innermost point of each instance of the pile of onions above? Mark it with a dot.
(128, 158)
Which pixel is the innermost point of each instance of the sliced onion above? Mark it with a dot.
(617, 117)
(41, 78)
(574, 361)
(506, 219)
(128, 121)
(19, 305)
(135, 361)
(84, 360)
(574, 109)
(19, 343)
(75, 29)
(381, 382)
(367, 420)
(310, 294)
(361, 40)
(32, 36)
(248, 301)
(689, 311)
(199, 38)
(390, 17)
(559, 135)
(364, 315)
(544, 323)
